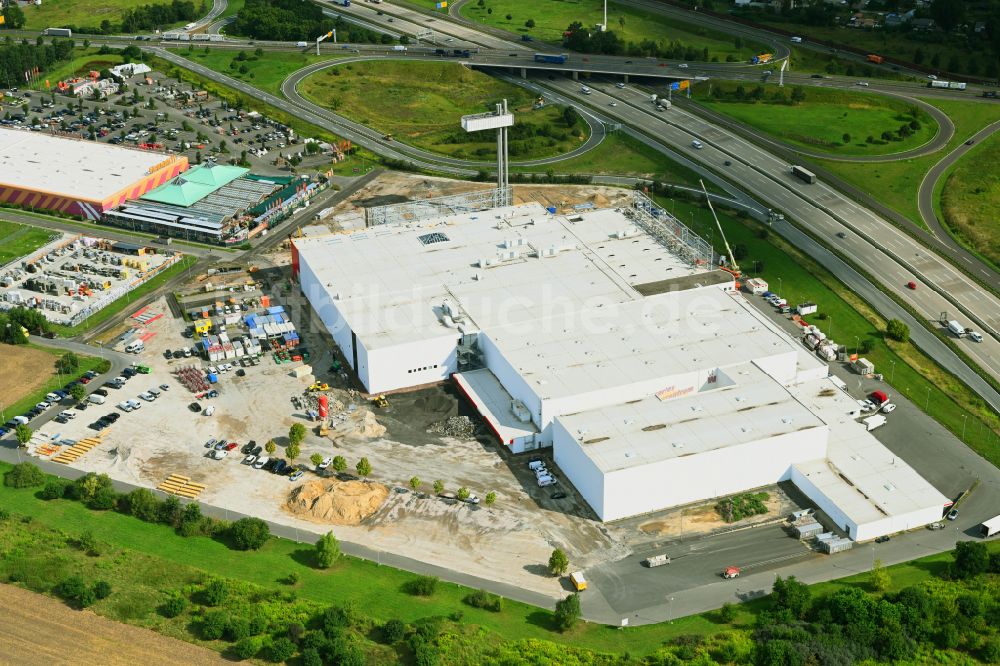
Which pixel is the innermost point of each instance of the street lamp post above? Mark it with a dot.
(857, 344)
(892, 371)
(927, 404)
(965, 421)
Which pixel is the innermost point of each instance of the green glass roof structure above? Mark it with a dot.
(195, 184)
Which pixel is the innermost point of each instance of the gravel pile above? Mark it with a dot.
(454, 426)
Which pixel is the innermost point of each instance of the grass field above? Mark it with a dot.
(84, 61)
(146, 562)
(126, 300)
(53, 380)
(17, 240)
(422, 104)
(265, 72)
(90, 13)
(897, 183)
(819, 123)
(849, 321)
(631, 25)
(621, 155)
(970, 198)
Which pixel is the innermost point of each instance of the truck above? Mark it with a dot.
(58, 32)
(657, 561)
(398, 47)
(956, 85)
(990, 527)
(761, 59)
(873, 422)
(877, 59)
(578, 581)
(96, 399)
(956, 329)
(550, 57)
(804, 174)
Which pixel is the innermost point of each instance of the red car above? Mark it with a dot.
(84, 380)
(911, 285)
(230, 446)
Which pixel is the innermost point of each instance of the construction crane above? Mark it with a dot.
(735, 270)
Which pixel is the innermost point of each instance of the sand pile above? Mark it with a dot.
(369, 427)
(335, 502)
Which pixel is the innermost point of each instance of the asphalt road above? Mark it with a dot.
(218, 6)
(875, 245)
(925, 196)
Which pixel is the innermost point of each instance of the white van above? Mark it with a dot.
(796, 40)
(585, 90)
(96, 399)
(135, 347)
(697, 144)
(21, 420)
(975, 336)
(68, 414)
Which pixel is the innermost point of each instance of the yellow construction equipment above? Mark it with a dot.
(318, 386)
(380, 401)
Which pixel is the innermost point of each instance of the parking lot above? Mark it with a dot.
(157, 112)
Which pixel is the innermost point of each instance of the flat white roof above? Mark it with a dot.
(661, 336)
(494, 404)
(748, 406)
(506, 265)
(69, 167)
(862, 477)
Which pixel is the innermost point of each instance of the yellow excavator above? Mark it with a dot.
(380, 401)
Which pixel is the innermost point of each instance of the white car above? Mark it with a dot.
(866, 405)
(472, 499)
(124, 406)
(864, 84)
(42, 405)
(148, 397)
(888, 407)
(620, 85)
(227, 367)
(209, 410)
(613, 104)
(683, 65)
(260, 462)
(53, 398)
(135, 404)
(975, 336)
(68, 414)
(325, 463)
(932, 77)
(212, 369)
(219, 454)
(546, 481)
(250, 459)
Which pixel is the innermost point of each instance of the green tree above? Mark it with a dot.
(972, 558)
(270, 447)
(249, 533)
(339, 463)
(897, 330)
(68, 363)
(558, 562)
(316, 459)
(78, 392)
(13, 17)
(463, 493)
(143, 504)
(948, 13)
(439, 487)
(102, 589)
(727, 613)
(293, 451)
(414, 483)
(296, 433)
(880, 578)
(846, 138)
(393, 631)
(23, 434)
(567, 612)
(789, 594)
(24, 475)
(327, 551)
(364, 468)
(530, 23)
(490, 498)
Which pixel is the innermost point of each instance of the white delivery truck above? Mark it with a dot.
(657, 561)
(873, 422)
(990, 527)
(956, 329)
(96, 399)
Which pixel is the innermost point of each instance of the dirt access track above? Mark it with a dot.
(40, 630)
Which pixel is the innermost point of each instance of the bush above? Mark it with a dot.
(214, 624)
(745, 505)
(558, 562)
(102, 589)
(567, 612)
(246, 648)
(238, 628)
(249, 533)
(897, 330)
(485, 600)
(337, 617)
(393, 631)
(282, 649)
(422, 586)
(104, 499)
(143, 504)
(327, 551)
(24, 475)
(75, 591)
(310, 656)
(53, 490)
(173, 606)
(215, 592)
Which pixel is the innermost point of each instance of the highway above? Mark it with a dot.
(874, 245)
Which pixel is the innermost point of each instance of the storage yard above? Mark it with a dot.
(74, 276)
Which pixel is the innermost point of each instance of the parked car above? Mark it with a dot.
(135, 404)
(210, 444)
(295, 476)
(164, 387)
(194, 407)
(888, 407)
(124, 406)
(148, 397)
(882, 539)
(250, 459)
(279, 466)
(325, 463)
(247, 448)
(260, 462)
(231, 445)
(219, 445)
(953, 514)
(219, 455)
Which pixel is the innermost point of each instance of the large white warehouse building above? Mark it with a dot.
(653, 380)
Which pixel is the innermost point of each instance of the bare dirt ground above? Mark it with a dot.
(24, 370)
(40, 630)
(397, 187)
(704, 519)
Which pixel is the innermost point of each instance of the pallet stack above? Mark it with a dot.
(181, 486)
(71, 454)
